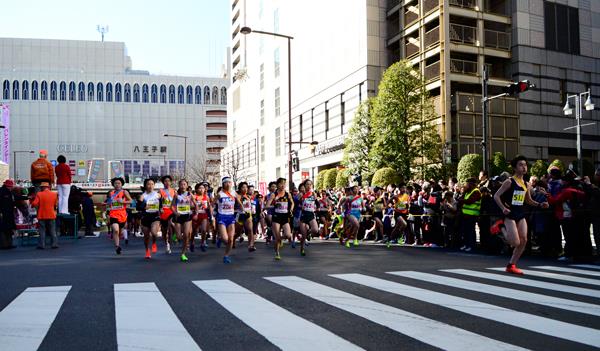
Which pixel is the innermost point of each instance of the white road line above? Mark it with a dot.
(281, 327)
(527, 282)
(568, 270)
(527, 321)
(567, 278)
(425, 330)
(590, 266)
(556, 302)
(145, 321)
(26, 320)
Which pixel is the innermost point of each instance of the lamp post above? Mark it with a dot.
(567, 110)
(185, 138)
(15, 173)
(248, 30)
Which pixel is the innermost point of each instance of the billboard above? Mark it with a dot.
(5, 121)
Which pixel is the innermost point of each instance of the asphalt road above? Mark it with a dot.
(84, 297)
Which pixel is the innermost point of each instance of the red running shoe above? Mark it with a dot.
(148, 256)
(497, 227)
(154, 248)
(511, 268)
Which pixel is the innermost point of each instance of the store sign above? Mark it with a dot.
(147, 149)
(71, 148)
(331, 145)
(5, 122)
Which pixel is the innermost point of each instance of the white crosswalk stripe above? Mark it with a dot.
(590, 266)
(568, 270)
(445, 336)
(26, 320)
(540, 299)
(273, 322)
(568, 278)
(526, 321)
(527, 282)
(145, 321)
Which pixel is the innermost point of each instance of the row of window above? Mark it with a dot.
(108, 92)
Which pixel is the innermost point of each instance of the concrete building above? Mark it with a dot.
(83, 99)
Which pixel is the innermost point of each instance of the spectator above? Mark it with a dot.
(89, 215)
(594, 204)
(63, 184)
(484, 180)
(42, 170)
(7, 217)
(46, 203)
(471, 205)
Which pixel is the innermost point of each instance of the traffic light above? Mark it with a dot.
(518, 87)
(295, 164)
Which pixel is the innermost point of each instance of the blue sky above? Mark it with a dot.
(187, 37)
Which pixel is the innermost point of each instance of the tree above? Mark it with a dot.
(342, 179)
(539, 168)
(359, 141)
(384, 177)
(330, 177)
(499, 164)
(403, 123)
(200, 169)
(231, 166)
(321, 180)
(469, 166)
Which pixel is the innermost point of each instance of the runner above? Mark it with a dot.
(244, 215)
(401, 204)
(183, 206)
(324, 214)
(257, 206)
(133, 219)
(116, 202)
(149, 204)
(269, 211)
(510, 198)
(354, 205)
(308, 225)
(226, 203)
(297, 197)
(202, 215)
(378, 204)
(283, 206)
(166, 216)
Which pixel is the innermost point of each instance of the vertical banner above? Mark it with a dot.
(5, 121)
(262, 188)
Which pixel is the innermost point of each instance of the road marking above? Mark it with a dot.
(556, 302)
(527, 321)
(145, 321)
(26, 320)
(567, 278)
(281, 327)
(527, 282)
(568, 270)
(425, 330)
(590, 266)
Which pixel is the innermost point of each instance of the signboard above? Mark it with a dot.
(331, 145)
(95, 168)
(5, 121)
(71, 148)
(305, 175)
(115, 169)
(262, 188)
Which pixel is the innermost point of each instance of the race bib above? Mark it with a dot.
(281, 207)
(518, 198)
(183, 209)
(226, 207)
(116, 205)
(152, 207)
(247, 207)
(166, 203)
(253, 208)
(309, 206)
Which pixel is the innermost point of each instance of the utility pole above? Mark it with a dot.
(484, 113)
(102, 30)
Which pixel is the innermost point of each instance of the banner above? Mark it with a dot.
(262, 188)
(5, 121)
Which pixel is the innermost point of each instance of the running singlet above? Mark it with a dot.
(378, 205)
(226, 204)
(282, 204)
(167, 197)
(356, 206)
(402, 204)
(309, 202)
(152, 201)
(116, 201)
(202, 203)
(183, 204)
(516, 199)
(246, 204)
(254, 203)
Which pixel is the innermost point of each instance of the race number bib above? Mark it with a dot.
(308, 206)
(518, 198)
(166, 203)
(116, 205)
(183, 209)
(152, 207)
(281, 207)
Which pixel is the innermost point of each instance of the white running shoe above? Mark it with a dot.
(168, 249)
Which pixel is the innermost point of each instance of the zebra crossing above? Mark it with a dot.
(567, 310)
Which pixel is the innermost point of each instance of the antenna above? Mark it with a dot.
(102, 30)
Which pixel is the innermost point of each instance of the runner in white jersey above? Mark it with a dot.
(183, 206)
(149, 203)
(226, 201)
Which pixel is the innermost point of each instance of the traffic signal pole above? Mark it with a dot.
(484, 113)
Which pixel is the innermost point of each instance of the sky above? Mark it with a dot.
(174, 37)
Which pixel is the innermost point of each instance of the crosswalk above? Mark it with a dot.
(425, 308)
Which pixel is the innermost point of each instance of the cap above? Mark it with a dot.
(43, 152)
(9, 183)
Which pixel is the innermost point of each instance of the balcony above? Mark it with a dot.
(432, 37)
(411, 49)
(467, 4)
(432, 71)
(463, 67)
(392, 3)
(411, 15)
(497, 40)
(430, 5)
(463, 34)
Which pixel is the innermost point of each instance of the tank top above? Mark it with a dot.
(226, 203)
(116, 203)
(516, 195)
(202, 203)
(282, 204)
(355, 205)
(167, 198)
(309, 202)
(378, 205)
(152, 201)
(246, 204)
(183, 203)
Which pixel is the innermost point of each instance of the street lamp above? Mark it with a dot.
(248, 30)
(185, 138)
(15, 173)
(567, 110)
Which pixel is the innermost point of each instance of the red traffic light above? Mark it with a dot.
(518, 87)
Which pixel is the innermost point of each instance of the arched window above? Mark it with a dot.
(6, 90)
(223, 96)
(171, 94)
(91, 91)
(118, 92)
(215, 96)
(180, 94)
(109, 92)
(136, 92)
(25, 90)
(154, 94)
(53, 90)
(100, 92)
(16, 90)
(72, 91)
(163, 94)
(189, 95)
(206, 95)
(145, 93)
(44, 92)
(63, 91)
(81, 91)
(34, 90)
(198, 94)
(127, 93)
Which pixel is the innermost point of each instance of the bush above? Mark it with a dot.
(320, 185)
(539, 168)
(469, 166)
(343, 178)
(384, 177)
(499, 164)
(330, 177)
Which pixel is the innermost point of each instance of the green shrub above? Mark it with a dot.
(320, 185)
(384, 177)
(343, 178)
(558, 163)
(499, 164)
(539, 168)
(469, 166)
(330, 177)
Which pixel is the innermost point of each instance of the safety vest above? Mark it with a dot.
(472, 209)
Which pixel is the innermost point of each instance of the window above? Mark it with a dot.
(6, 90)
(326, 118)
(171, 94)
(215, 96)
(262, 76)
(16, 90)
(262, 148)
(118, 92)
(100, 92)
(34, 90)
(53, 89)
(277, 172)
(278, 142)
(262, 112)
(81, 91)
(276, 20)
(163, 94)
(145, 93)
(300, 127)
(234, 129)
(109, 92)
(189, 95)
(207, 95)
(342, 111)
(276, 62)
(63, 91)
(154, 94)
(25, 90)
(136, 92)
(561, 28)
(277, 103)
(198, 94)
(72, 96)
(223, 96)
(180, 95)
(127, 92)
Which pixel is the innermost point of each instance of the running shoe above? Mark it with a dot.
(277, 257)
(148, 256)
(226, 259)
(154, 248)
(184, 258)
(118, 250)
(280, 244)
(348, 244)
(174, 238)
(219, 243)
(168, 249)
(468, 249)
(355, 243)
(497, 227)
(388, 244)
(293, 244)
(241, 239)
(251, 248)
(203, 247)
(511, 268)
(302, 252)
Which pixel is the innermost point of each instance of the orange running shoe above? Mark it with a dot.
(154, 248)
(148, 256)
(511, 268)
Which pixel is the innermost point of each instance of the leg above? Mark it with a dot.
(521, 227)
(42, 233)
(186, 229)
(248, 227)
(275, 228)
(229, 237)
(116, 232)
(52, 227)
(146, 232)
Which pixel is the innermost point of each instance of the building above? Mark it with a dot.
(82, 99)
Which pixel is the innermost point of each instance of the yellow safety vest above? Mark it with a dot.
(474, 208)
